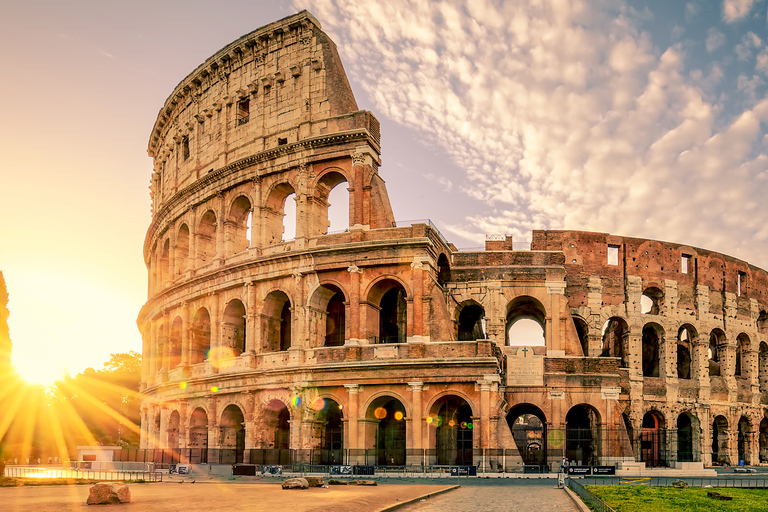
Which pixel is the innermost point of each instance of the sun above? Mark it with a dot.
(40, 373)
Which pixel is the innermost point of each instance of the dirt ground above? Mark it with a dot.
(217, 496)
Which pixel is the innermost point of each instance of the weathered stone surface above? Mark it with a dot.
(314, 481)
(296, 483)
(363, 482)
(108, 493)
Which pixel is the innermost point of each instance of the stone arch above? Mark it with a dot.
(173, 430)
(526, 322)
(720, 441)
(275, 211)
(652, 350)
(329, 415)
(652, 301)
(443, 270)
(389, 295)
(329, 305)
(686, 346)
(582, 333)
(470, 321)
(238, 225)
(278, 319)
(653, 439)
(232, 432)
(205, 239)
(688, 441)
(386, 429)
(272, 427)
(615, 339)
(528, 425)
(174, 341)
(233, 335)
(181, 252)
(450, 430)
(762, 322)
(742, 367)
(715, 351)
(582, 434)
(165, 263)
(762, 366)
(201, 336)
(198, 429)
(332, 200)
(763, 440)
(742, 443)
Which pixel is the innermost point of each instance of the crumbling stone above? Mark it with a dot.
(108, 493)
(296, 483)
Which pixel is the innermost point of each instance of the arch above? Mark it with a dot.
(528, 425)
(742, 348)
(652, 301)
(745, 426)
(237, 225)
(582, 331)
(201, 336)
(234, 328)
(653, 440)
(330, 420)
(389, 296)
(688, 444)
(714, 354)
(762, 367)
(162, 340)
(387, 430)
(275, 425)
(279, 216)
(443, 270)
(174, 349)
(181, 252)
(333, 200)
(720, 441)
(330, 299)
(615, 339)
(278, 318)
(198, 429)
(205, 239)
(470, 324)
(451, 430)
(582, 435)
(653, 341)
(763, 440)
(173, 430)
(526, 321)
(686, 337)
(762, 322)
(232, 432)
(165, 262)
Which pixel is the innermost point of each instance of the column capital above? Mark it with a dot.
(353, 388)
(416, 387)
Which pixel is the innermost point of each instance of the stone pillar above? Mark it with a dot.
(152, 355)
(216, 321)
(416, 442)
(354, 319)
(485, 414)
(183, 421)
(146, 348)
(416, 332)
(162, 436)
(185, 344)
(353, 435)
(214, 436)
(165, 365)
(220, 228)
(144, 427)
(251, 321)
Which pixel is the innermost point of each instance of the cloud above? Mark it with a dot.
(734, 10)
(749, 42)
(564, 115)
(715, 39)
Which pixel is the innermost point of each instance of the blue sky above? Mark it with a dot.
(642, 118)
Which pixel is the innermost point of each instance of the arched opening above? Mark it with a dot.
(526, 319)
(233, 329)
(393, 312)
(716, 345)
(173, 431)
(471, 322)
(451, 419)
(529, 430)
(335, 321)
(232, 441)
(685, 337)
(581, 332)
(165, 259)
(205, 242)
(653, 440)
(237, 226)
(615, 339)
(762, 368)
(278, 318)
(182, 250)
(328, 309)
(274, 432)
(720, 441)
(743, 440)
(162, 341)
(653, 336)
(582, 435)
(687, 438)
(331, 422)
(198, 431)
(334, 190)
(279, 214)
(651, 302)
(443, 270)
(742, 349)
(387, 415)
(763, 440)
(201, 336)
(174, 350)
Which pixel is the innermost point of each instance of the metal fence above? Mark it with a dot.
(82, 474)
(753, 482)
(587, 497)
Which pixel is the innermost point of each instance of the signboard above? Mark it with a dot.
(579, 470)
(384, 352)
(464, 471)
(271, 470)
(525, 368)
(610, 393)
(604, 470)
(341, 470)
(178, 469)
(557, 395)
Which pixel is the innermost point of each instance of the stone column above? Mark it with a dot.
(485, 414)
(185, 345)
(252, 324)
(152, 355)
(216, 321)
(354, 319)
(183, 421)
(352, 416)
(417, 443)
(144, 427)
(162, 436)
(165, 365)
(416, 331)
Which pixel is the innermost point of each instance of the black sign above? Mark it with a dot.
(341, 470)
(579, 470)
(464, 471)
(604, 470)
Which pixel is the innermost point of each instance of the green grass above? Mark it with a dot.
(632, 498)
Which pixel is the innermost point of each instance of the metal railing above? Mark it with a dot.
(83, 474)
(587, 497)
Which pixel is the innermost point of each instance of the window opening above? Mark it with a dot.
(248, 228)
(243, 112)
(741, 281)
(685, 263)
(613, 254)
(289, 218)
(338, 208)
(282, 141)
(185, 148)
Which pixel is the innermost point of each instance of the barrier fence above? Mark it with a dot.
(82, 474)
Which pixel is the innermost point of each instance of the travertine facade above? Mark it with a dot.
(386, 345)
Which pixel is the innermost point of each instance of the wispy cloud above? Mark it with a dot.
(734, 10)
(715, 39)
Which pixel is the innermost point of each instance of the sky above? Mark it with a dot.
(639, 118)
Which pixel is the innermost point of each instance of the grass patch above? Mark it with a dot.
(631, 498)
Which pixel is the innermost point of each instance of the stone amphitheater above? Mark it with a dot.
(381, 343)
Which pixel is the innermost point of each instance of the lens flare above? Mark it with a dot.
(469, 426)
(215, 389)
(398, 415)
(341, 407)
(430, 420)
(451, 423)
(317, 403)
(463, 424)
(296, 401)
(380, 413)
(221, 357)
(183, 385)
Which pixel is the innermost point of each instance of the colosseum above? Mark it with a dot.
(382, 344)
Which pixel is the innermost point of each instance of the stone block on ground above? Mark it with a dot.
(363, 482)
(296, 483)
(108, 493)
(314, 481)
